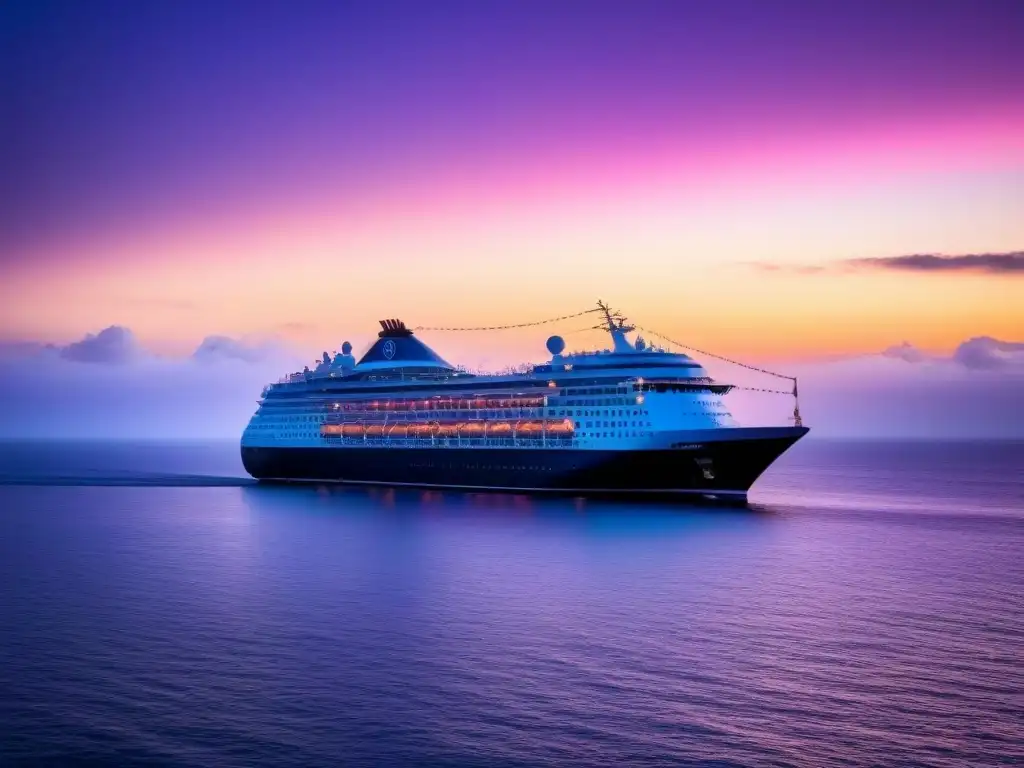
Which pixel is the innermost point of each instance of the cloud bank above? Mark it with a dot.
(106, 385)
(1010, 263)
(113, 345)
(986, 353)
(216, 348)
(982, 353)
(906, 352)
(992, 263)
(977, 391)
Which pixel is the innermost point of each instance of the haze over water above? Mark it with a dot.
(158, 609)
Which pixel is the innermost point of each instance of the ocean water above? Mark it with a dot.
(156, 608)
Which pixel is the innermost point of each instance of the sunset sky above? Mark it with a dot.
(746, 176)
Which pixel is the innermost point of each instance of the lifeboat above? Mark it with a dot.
(561, 428)
(421, 430)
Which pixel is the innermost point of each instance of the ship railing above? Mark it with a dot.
(291, 378)
(453, 442)
(519, 369)
(346, 412)
(402, 375)
(697, 383)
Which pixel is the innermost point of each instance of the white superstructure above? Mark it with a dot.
(401, 394)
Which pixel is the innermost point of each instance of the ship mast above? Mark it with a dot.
(617, 327)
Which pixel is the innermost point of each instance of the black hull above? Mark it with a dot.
(721, 467)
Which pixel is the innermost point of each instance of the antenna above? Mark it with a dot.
(616, 325)
(607, 314)
(613, 319)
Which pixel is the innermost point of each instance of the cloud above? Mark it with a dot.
(1008, 263)
(117, 345)
(45, 392)
(989, 263)
(986, 353)
(907, 352)
(902, 393)
(24, 350)
(215, 348)
(55, 392)
(114, 345)
(982, 353)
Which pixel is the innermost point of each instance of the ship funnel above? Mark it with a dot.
(393, 327)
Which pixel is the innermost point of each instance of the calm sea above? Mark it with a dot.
(157, 609)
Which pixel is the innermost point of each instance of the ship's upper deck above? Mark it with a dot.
(398, 360)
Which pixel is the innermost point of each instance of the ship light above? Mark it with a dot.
(568, 366)
(639, 399)
(551, 383)
(640, 380)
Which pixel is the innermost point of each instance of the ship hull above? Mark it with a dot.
(719, 465)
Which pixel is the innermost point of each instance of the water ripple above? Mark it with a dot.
(169, 623)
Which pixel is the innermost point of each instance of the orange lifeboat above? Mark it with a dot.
(421, 430)
(560, 427)
(448, 430)
(530, 428)
(560, 430)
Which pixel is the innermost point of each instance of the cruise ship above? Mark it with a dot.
(631, 419)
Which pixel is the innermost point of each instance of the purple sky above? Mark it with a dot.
(130, 114)
(759, 178)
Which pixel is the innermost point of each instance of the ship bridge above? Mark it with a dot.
(629, 359)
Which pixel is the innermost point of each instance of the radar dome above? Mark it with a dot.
(556, 345)
(346, 348)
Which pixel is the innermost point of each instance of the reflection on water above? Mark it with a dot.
(320, 625)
